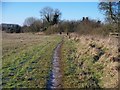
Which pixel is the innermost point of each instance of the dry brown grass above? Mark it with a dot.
(12, 41)
(110, 47)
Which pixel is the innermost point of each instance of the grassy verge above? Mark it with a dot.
(28, 66)
(69, 64)
(80, 70)
(90, 62)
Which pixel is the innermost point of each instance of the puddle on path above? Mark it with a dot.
(55, 75)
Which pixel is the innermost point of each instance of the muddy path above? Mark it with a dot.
(55, 78)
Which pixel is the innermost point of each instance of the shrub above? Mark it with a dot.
(52, 29)
(93, 28)
(25, 29)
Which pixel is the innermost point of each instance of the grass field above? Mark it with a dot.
(86, 61)
(26, 59)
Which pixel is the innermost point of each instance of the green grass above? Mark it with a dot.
(28, 66)
(69, 64)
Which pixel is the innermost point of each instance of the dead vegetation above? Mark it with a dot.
(100, 53)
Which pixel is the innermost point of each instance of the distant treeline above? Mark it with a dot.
(84, 26)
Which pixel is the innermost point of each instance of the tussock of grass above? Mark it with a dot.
(91, 61)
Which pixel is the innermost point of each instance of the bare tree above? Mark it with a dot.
(36, 26)
(111, 10)
(47, 13)
(32, 24)
(50, 15)
(56, 16)
(29, 21)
